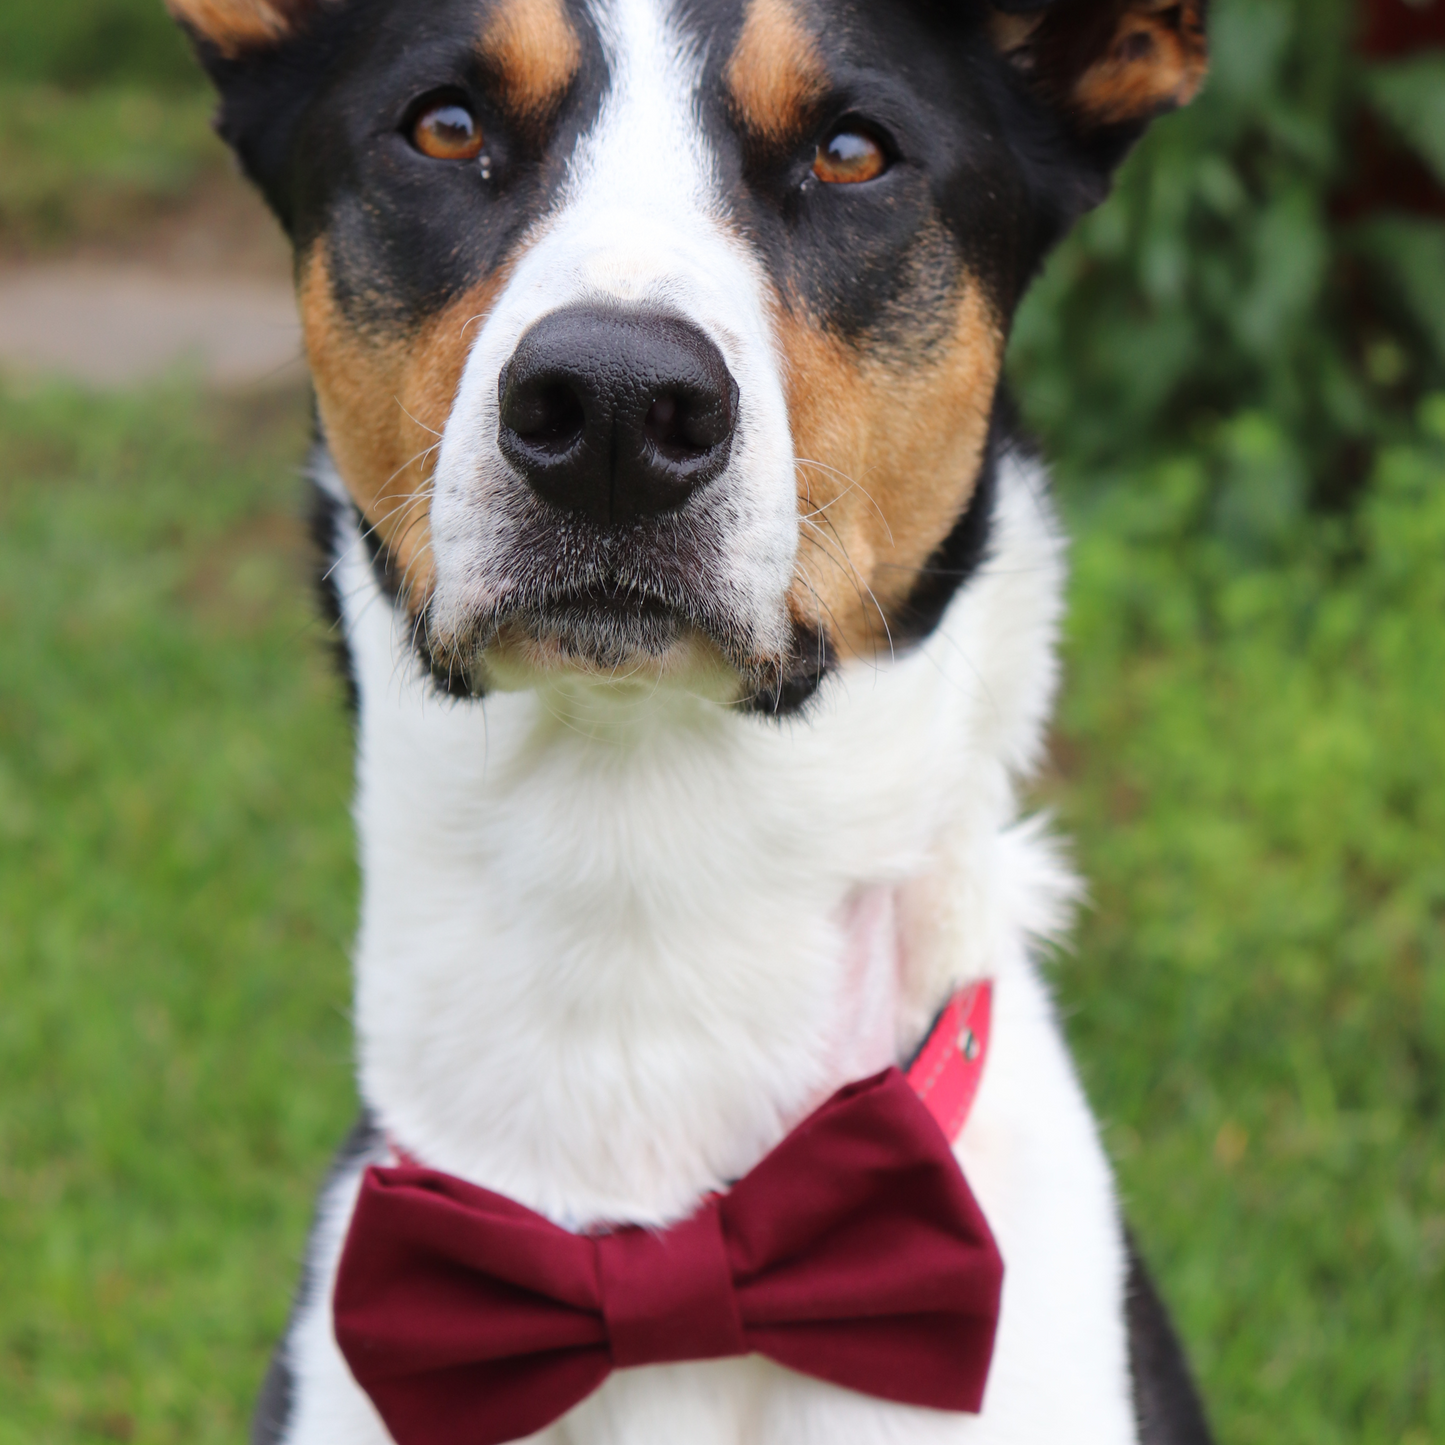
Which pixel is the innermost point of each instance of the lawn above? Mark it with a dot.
(176, 896)
(1249, 755)
(1252, 759)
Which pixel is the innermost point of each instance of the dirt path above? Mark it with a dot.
(122, 325)
(204, 293)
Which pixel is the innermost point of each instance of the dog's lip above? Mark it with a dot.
(617, 600)
(599, 600)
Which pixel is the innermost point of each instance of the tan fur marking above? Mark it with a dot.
(1110, 62)
(233, 26)
(888, 455)
(535, 51)
(776, 69)
(1011, 33)
(1157, 60)
(384, 401)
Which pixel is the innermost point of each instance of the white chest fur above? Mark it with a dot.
(616, 942)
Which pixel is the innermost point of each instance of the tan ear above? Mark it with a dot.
(1110, 62)
(235, 26)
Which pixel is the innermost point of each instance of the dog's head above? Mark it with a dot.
(664, 335)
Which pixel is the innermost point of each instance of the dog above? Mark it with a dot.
(698, 599)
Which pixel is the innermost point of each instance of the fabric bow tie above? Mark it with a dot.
(854, 1252)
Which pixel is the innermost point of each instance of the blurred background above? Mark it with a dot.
(1238, 367)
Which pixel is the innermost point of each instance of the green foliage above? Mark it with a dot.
(1254, 766)
(1411, 95)
(176, 899)
(88, 42)
(94, 163)
(1223, 308)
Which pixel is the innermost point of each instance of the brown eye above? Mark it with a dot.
(447, 132)
(849, 156)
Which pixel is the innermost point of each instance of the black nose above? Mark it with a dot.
(616, 415)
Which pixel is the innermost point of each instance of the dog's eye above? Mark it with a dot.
(447, 131)
(849, 155)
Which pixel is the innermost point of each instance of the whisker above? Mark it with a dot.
(832, 616)
(859, 584)
(415, 420)
(854, 484)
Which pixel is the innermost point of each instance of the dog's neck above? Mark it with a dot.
(615, 942)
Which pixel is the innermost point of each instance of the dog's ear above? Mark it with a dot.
(228, 29)
(264, 57)
(1107, 66)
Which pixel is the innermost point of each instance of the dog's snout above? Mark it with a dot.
(616, 415)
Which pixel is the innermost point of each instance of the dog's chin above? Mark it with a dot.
(604, 640)
(623, 643)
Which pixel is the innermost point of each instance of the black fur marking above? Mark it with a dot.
(788, 689)
(1166, 1401)
(985, 176)
(384, 567)
(327, 519)
(966, 547)
(449, 680)
(278, 1391)
(275, 1404)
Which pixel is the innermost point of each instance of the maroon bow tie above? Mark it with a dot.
(855, 1252)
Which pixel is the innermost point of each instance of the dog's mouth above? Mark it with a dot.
(549, 595)
(620, 630)
(609, 625)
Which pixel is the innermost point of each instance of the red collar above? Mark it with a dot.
(946, 1071)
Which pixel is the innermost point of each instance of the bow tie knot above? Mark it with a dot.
(667, 1295)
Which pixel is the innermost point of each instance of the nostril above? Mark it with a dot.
(684, 426)
(661, 420)
(541, 409)
(666, 426)
(548, 415)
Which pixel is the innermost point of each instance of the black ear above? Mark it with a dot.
(228, 29)
(1107, 67)
(265, 58)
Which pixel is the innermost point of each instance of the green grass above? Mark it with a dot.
(78, 43)
(104, 120)
(78, 166)
(1250, 756)
(176, 896)
(1253, 762)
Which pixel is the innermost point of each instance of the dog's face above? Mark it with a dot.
(663, 336)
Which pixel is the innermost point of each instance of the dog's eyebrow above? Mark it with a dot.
(775, 71)
(534, 51)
